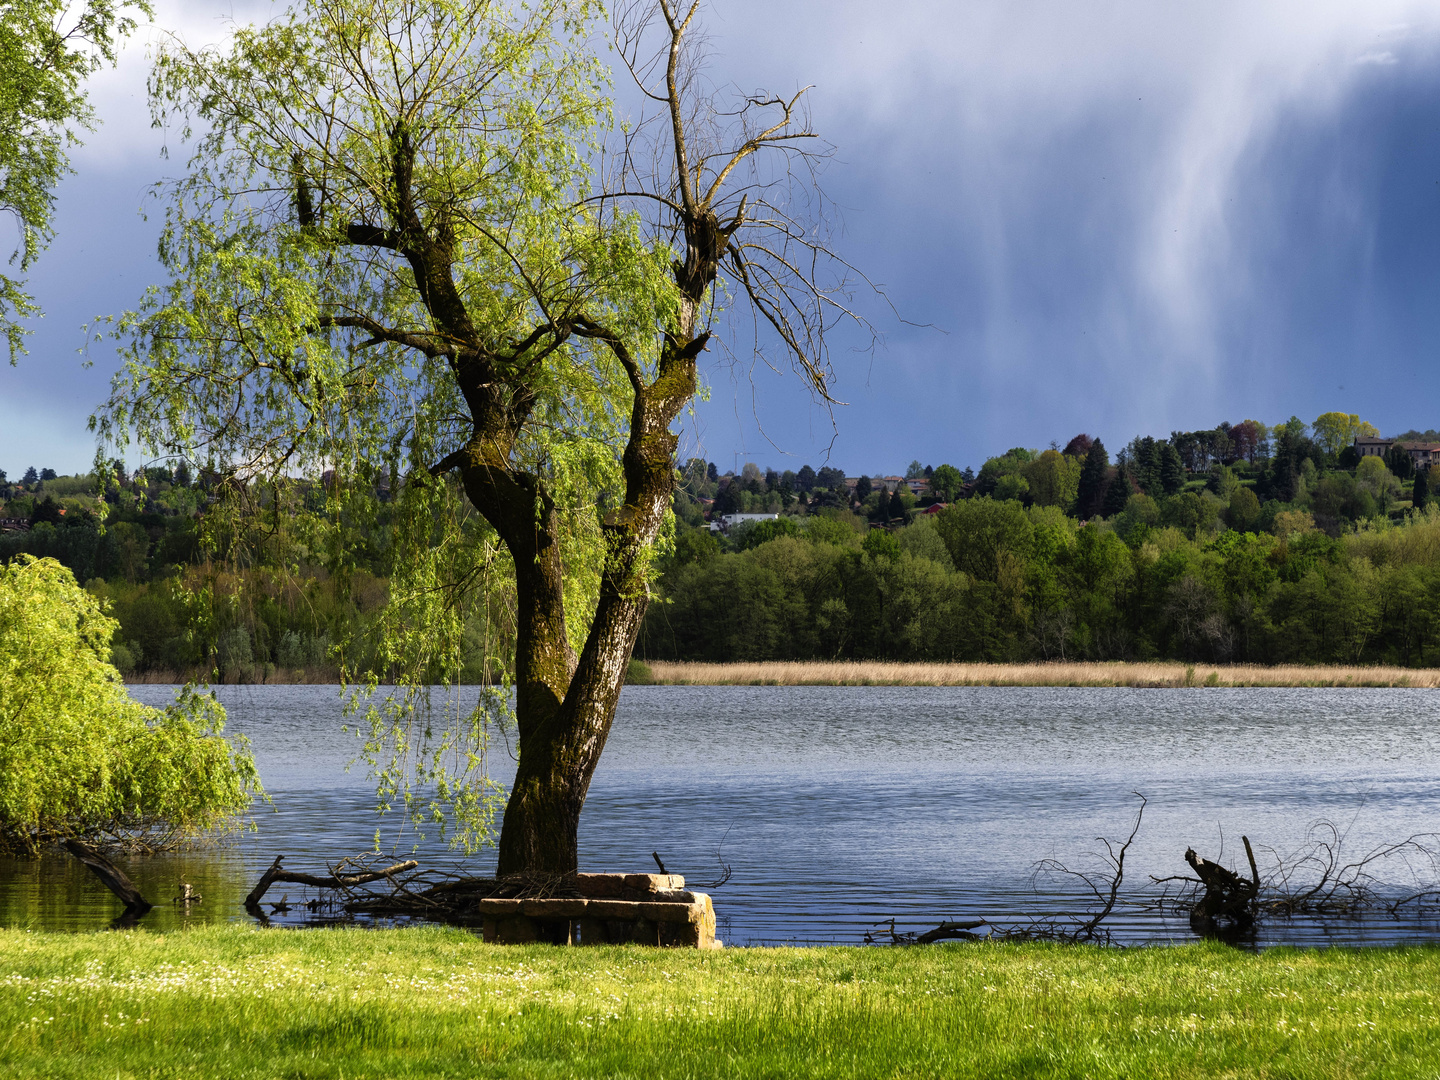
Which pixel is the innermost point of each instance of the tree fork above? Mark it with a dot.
(542, 817)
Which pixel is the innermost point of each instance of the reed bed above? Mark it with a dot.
(1150, 674)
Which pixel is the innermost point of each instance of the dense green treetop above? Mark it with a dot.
(78, 756)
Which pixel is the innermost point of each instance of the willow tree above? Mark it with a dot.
(411, 235)
(47, 48)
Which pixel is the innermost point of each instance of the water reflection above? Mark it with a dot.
(842, 807)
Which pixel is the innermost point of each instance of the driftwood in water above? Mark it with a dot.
(947, 931)
(1229, 898)
(113, 877)
(332, 881)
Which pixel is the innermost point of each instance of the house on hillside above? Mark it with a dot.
(1423, 455)
(725, 522)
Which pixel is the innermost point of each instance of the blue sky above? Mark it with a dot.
(1117, 218)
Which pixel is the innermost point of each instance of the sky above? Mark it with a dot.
(1113, 217)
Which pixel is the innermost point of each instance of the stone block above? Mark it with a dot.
(499, 908)
(645, 932)
(516, 930)
(554, 909)
(612, 909)
(649, 883)
(645, 909)
(680, 935)
(681, 913)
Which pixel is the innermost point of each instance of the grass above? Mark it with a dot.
(1151, 674)
(241, 1002)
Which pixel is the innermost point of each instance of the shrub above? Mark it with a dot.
(235, 653)
(638, 673)
(79, 756)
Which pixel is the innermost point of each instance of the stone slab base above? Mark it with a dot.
(612, 909)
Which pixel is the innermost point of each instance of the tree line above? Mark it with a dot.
(1282, 548)
(1245, 543)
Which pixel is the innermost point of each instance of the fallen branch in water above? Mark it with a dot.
(334, 880)
(1103, 883)
(946, 931)
(1314, 880)
(113, 877)
(1229, 900)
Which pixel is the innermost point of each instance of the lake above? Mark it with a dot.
(839, 808)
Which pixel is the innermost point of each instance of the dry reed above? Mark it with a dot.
(1151, 674)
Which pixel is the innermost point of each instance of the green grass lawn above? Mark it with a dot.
(241, 1002)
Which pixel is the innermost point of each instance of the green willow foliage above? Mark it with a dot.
(293, 342)
(47, 48)
(78, 756)
(991, 580)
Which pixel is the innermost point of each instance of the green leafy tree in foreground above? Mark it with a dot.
(392, 254)
(79, 756)
(47, 48)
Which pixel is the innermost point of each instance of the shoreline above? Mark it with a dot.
(1144, 674)
(1160, 674)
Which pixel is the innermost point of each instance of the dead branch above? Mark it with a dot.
(334, 880)
(112, 876)
(1103, 884)
(947, 931)
(1229, 899)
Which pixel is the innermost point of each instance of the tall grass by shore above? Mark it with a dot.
(1160, 673)
(238, 1003)
(258, 675)
(1151, 674)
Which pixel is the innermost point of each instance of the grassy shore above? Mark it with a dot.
(1153, 674)
(240, 1002)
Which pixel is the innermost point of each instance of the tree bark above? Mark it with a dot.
(559, 751)
(113, 877)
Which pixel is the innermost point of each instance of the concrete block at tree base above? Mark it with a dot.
(669, 916)
(626, 886)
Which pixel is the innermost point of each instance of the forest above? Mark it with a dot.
(1244, 543)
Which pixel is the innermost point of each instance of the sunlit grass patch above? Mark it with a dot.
(239, 1002)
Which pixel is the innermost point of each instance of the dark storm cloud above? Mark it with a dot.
(1117, 217)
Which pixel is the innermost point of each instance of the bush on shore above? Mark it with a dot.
(79, 756)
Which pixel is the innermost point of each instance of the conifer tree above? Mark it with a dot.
(1422, 489)
(1116, 495)
(1093, 474)
(1172, 469)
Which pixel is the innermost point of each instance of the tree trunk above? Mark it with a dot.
(559, 752)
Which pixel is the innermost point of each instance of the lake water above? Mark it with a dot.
(842, 807)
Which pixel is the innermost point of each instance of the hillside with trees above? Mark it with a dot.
(1245, 543)
(1242, 543)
